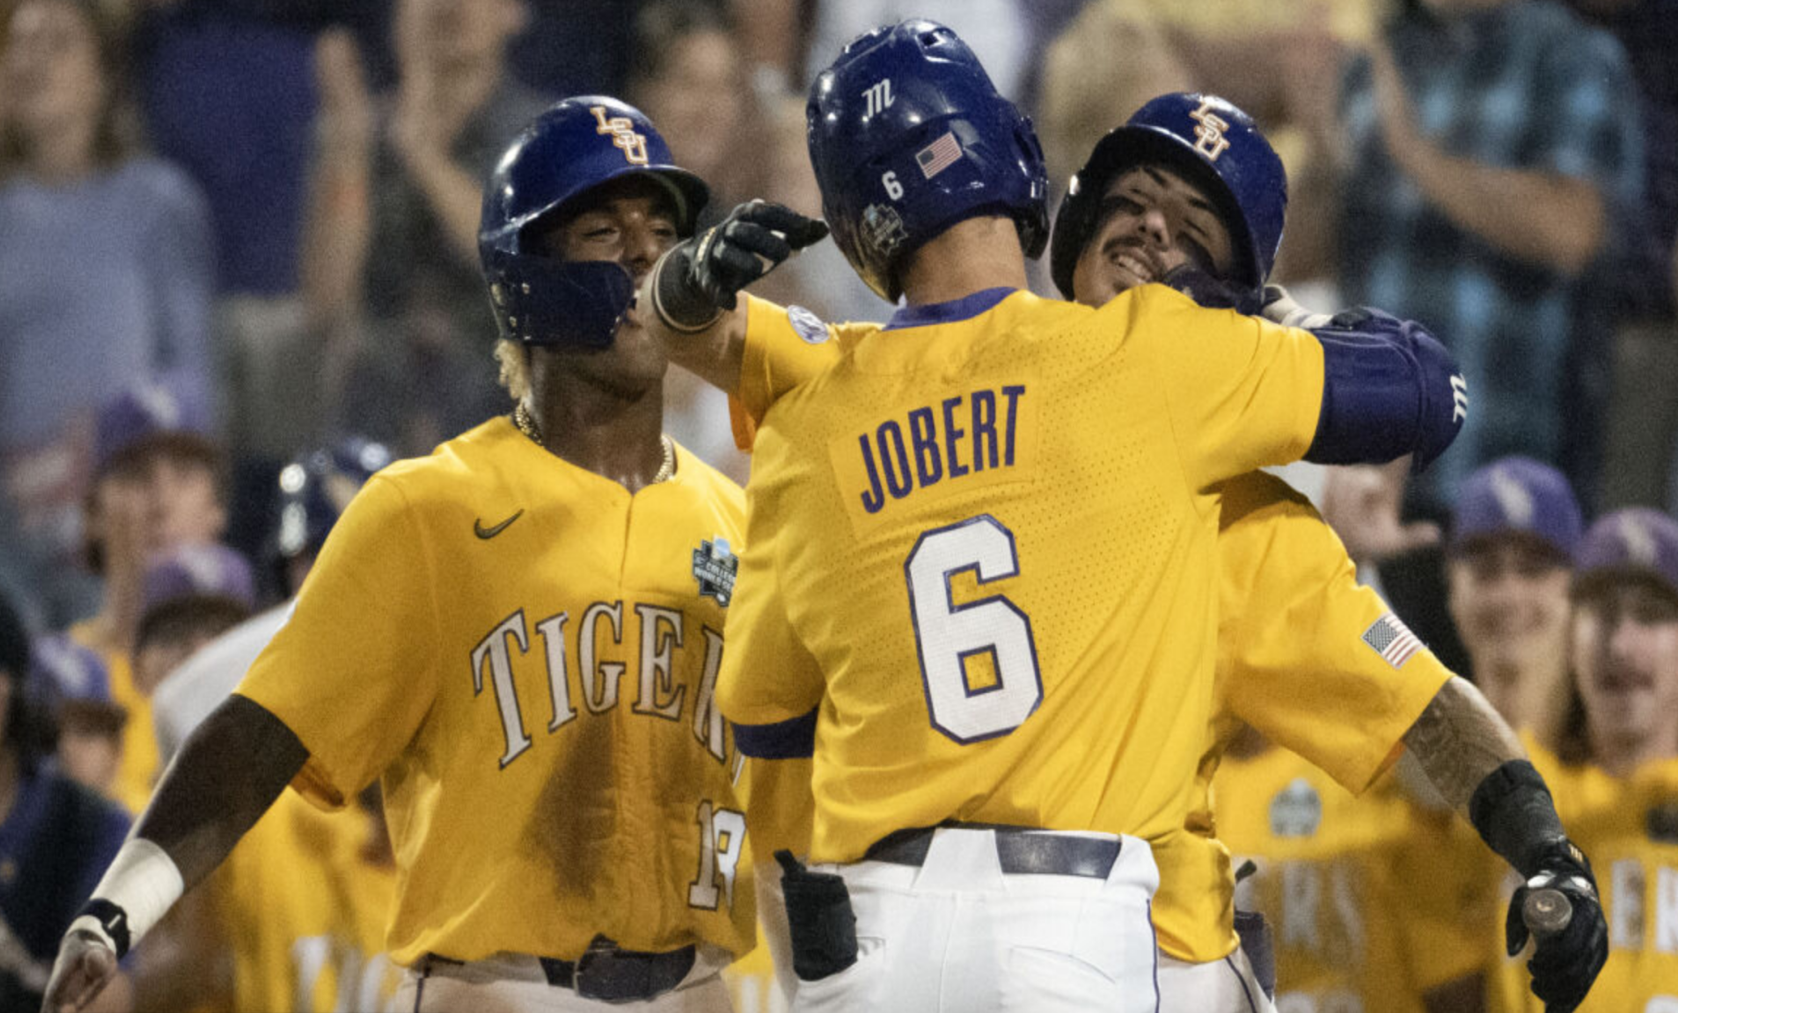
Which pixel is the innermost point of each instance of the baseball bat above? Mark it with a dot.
(1547, 912)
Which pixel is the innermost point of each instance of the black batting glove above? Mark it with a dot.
(702, 276)
(1566, 962)
(1200, 284)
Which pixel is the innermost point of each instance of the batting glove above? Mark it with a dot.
(1566, 962)
(1199, 284)
(702, 276)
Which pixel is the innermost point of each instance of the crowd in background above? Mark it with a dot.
(235, 233)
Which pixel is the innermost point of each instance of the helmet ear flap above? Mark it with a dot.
(1034, 225)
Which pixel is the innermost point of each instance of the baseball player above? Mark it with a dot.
(55, 835)
(1282, 662)
(520, 635)
(992, 439)
(1188, 190)
(1621, 744)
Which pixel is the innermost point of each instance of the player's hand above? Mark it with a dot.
(1200, 284)
(704, 274)
(1363, 504)
(1567, 962)
(84, 965)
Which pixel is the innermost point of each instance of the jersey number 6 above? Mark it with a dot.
(949, 636)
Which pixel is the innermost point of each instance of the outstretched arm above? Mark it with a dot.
(690, 301)
(222, 781)
(1476, 763)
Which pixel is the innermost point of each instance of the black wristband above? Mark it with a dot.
(1513, 812)
(112, 919)
(680, 303)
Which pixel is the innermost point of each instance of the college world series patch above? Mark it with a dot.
(716, 570)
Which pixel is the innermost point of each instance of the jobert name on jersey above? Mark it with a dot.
(970, 438)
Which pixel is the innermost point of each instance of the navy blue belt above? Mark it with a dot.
(1021, 850)
(610, 974)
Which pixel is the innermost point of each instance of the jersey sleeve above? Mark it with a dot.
(779, 355)
(1243, 393)
(348, 672)
(768, 675)
(1299, 656)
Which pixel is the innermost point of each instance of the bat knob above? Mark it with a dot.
(1547, 912)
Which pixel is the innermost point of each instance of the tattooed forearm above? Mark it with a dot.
(1459, 739)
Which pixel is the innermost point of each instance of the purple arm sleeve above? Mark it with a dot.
(1391, 390)
(783, 740)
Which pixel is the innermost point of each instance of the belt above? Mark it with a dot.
(610, 974)
(1021, 850)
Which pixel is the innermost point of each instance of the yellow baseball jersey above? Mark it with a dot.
(1323, 858)
(526, 653)
(977, 538)
(302, 907)
(1627, 827)
(1291, 621)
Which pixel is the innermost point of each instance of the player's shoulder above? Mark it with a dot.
(456, 467)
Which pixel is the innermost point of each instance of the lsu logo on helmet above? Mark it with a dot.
(625, 138)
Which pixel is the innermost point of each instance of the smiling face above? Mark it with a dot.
(1510, 599)
(1623, 653)
(1151, 221)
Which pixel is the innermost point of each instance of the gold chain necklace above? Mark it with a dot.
(529, 426)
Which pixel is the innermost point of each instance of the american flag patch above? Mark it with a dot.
(1390, 637)
(939, 155)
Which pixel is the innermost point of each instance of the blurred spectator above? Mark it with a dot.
(191, 596)
(56, 838)
(389, 267)
(314, 489)
(1620, 741)
(71, 683)
(999, 31)
(1623, 644)
(1513, 537)
(579, 47)
(105, 278)
(159, 485)
(1494, 153)
(159, 489)
(692, 79)
(1641, 418)
(297, 914)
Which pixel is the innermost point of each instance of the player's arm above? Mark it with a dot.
(221, 783)
(1322, 667)
(692, 294)
(1246, 393)
(1476, 763)
(769, 685)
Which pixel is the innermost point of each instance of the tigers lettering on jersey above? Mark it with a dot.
(659, 633)
(972, 438)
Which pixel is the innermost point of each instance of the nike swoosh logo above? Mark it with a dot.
(486, 533)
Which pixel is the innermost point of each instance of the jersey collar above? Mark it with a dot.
(948, 312)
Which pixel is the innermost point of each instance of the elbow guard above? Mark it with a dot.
(783, 740)
(1391, 390)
